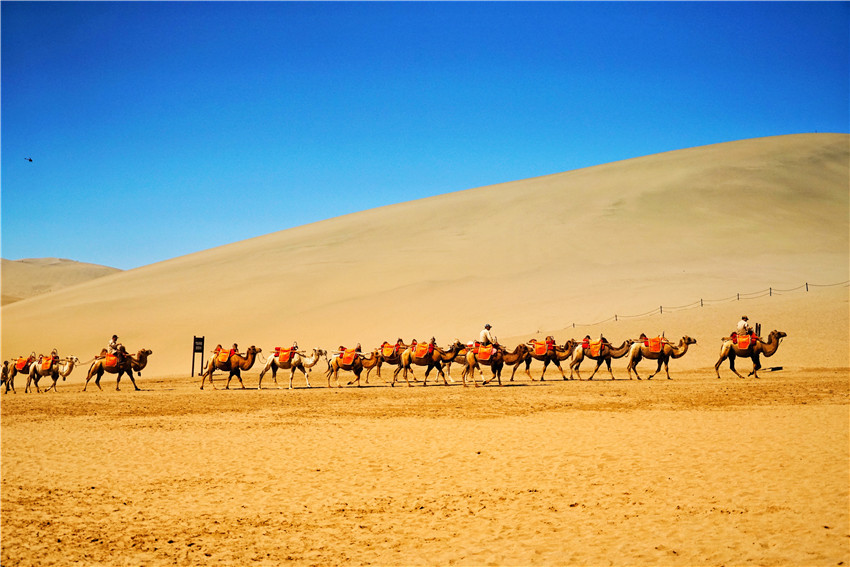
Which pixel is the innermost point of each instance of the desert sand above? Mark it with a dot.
(694, 470)
(29, 277)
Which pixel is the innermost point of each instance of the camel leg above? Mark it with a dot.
(732, 366)
(411, 371)
(557, 363)
(543, 374)
(306, 378)
(756, 366)
(598, 364)
(658, 369)
(97, 379)
(443, 374)
(53, 386)
(527, 366)
(291, 376)
(133, 380)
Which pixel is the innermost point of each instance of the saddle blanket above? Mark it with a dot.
(654, 344)
(388, 350)
(484, 352)
(283, 354)
(348, 355)
(223, 356)
(111, 360)
(540, 349)
(743, 341)
(595, 347)
(21, 363)
(422, 350)
(46, 363)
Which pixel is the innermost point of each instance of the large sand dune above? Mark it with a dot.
(530, 257)
(688, 471)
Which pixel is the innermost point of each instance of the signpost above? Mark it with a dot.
(197, 347)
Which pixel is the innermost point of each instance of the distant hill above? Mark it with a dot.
(531, 257)
(22, 279)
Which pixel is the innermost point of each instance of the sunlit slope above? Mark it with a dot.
(527, 255)
(35, 276)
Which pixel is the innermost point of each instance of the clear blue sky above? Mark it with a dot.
(160, 129)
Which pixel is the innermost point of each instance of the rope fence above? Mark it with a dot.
(660, 310)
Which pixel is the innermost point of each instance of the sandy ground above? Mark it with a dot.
(689, 471)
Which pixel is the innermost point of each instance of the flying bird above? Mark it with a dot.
(28, 159)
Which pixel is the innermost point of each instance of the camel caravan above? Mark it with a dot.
(486, 352)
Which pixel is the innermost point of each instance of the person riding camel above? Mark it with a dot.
(485, 337)
(117, 349)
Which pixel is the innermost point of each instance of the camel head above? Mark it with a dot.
(778, 334)
(688, 340)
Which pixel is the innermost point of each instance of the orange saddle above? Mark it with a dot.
(21, 363)
(421, 350)
(743, 341)
(388, 349)
(540, 349)
(655, 344)
(595, 347)
(46, 363)
(348, 355)
(283, 354)
(223, 356)
(111, 361)
(484, 352)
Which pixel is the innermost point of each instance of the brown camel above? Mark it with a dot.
(433, 359)
(606, 353)
(756, 347)
(127, 366)
(234, 365)
(554, 354)
(496, 362)
(4, 374)
(20, 365)
(57, 368)
(640, 350)
(357, 364)
(392, 358)
(295, 362)
(459, 358)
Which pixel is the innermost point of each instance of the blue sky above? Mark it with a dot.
(161, 129)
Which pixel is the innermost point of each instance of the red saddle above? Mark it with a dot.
(484, 352)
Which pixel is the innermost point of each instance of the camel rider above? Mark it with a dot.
(116, 348)
(234, 349)
(743, 327)
(485, 337)
(432, 344)
(585, 342)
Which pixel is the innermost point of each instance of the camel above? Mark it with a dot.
(639, 351)
(497, 361)
(756, 347)
(129, 364)
(295, 362)
(357, 365)
(606, 353)
(431, 360)
(4, 372)
(394, 358)
(553, 355)
(234, 366)
(62, 367)
(20, 365)
(460, 358)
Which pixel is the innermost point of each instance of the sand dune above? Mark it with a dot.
(688, 471)
(531, 256)
(35, 276)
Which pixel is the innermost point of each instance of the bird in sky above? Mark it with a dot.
(29, 159)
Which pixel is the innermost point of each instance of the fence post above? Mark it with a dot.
(771, 291)
(700, 302)
(807, 286)
(739, 297)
